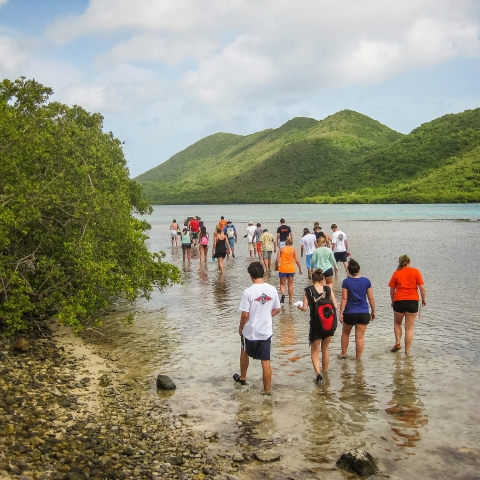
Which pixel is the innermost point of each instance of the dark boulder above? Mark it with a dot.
(359, 462)
(20, 345)
(165, 383)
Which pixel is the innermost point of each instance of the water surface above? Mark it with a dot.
(417, 414)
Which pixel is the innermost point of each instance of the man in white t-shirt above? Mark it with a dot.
(339, 246)
(249, 236)
(259, 304)
(308, 244)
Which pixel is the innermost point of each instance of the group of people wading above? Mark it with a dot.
(261, 302)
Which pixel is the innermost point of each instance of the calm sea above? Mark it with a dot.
(418, 414)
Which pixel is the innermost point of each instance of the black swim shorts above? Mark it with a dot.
(356, 318)
(328, 273)
(405, 306)
(340, 256)
(257, 349)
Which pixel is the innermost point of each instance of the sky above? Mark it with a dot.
(166, 73)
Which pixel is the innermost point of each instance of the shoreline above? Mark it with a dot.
(67, 412)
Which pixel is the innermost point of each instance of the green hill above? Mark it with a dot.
(345, 158)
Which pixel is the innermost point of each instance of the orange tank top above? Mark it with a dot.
(287, 260)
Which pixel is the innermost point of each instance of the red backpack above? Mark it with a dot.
(323, 311)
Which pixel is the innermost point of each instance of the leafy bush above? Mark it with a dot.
(68, 240)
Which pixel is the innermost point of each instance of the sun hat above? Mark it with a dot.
(250, 222)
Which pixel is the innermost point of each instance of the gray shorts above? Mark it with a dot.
(267, 254)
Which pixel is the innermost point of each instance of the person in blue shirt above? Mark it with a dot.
(354, 312)
(231, 232)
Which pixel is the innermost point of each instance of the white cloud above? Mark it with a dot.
(11, 55)
(3, 2)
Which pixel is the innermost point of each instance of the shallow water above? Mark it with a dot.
(417, 414)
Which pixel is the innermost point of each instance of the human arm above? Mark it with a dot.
(423, 295)
(297, 261)
(333, 263)
(276, 311)
(301, 251)
(243, 320)
(235, 231)
(343, 302)
(346, 244)
(334, 300)
(305, 303)
(371, 301)
(392, 293)
(278, 239)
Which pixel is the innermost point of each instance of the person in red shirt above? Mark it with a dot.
(222, 223)
(195, 229)
(404, 286)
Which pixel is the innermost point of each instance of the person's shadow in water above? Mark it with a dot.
(406, 409)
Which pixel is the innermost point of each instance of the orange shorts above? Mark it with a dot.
(259, 248)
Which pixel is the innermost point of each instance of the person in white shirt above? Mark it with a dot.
(259, 304)
(308, 244)
(340, 246)
(249, 236)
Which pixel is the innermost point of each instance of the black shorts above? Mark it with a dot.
(356, 318)
(340, 256)
(405, 306)
(257, 349)
(328, 273)
(186, 245)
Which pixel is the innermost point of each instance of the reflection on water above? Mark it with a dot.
(190, 332)
(407, 408)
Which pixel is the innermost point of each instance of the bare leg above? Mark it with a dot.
(329, 281)
(315, 354)
(282, 285)
(205, 254)
(345, 264)
(359, 342)
(267, 375)
(325, 354)
(244, 361)
(220, 264)
(290, 289)
(188, 254)
(183, 252)
(346, 329)
(397, 326)
(409, 324)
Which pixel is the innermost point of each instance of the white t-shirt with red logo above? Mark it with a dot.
(259, 300)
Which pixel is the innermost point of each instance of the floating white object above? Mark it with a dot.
(299, 303)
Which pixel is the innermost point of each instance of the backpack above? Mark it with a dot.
(230, 232)
(324, 313)
(204, 240)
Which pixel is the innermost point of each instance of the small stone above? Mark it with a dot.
(238, 457)
(164, 382)
(178, 460)
(267, 455)
(20, 345)
(104, 380)
(359, 462)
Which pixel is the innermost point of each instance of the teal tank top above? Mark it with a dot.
(186, 238)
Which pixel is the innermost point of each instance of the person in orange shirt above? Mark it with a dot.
(287, 257)
(404, 286)
(222, 223)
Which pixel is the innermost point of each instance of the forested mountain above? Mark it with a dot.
(345, 158)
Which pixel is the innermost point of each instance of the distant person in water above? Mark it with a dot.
(283, 232)
(250, 235)
(203, 243)
(259, 305)
(186, 243)
(286, 259)
(340, 246)
(268, 247)
(323, 259)
(231, 232)
(222, 222)
(220, 248)
(356, 290)
(319, 340)
(319, 232)
(174, 232)
(195, 230)
(308, 244)
(404, 286)
(258, 243)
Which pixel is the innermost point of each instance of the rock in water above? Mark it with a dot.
(359, 462)
(104, 380)
(269, 455)
(20, 345)
(164, 382)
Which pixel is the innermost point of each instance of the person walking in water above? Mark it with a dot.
(354, 308)
(220, 247)
(194, 226)
(258, 243)
(318, 340)
(249, 236)
(231, 232)
(186, 243)
(308, 244)
(259, 305)
(222, 222)
(404, 286)
(340, 246)
(283, 232)
(174, 232)
(286, 259)
(203, 243)
(268, 246)
(323, 258)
